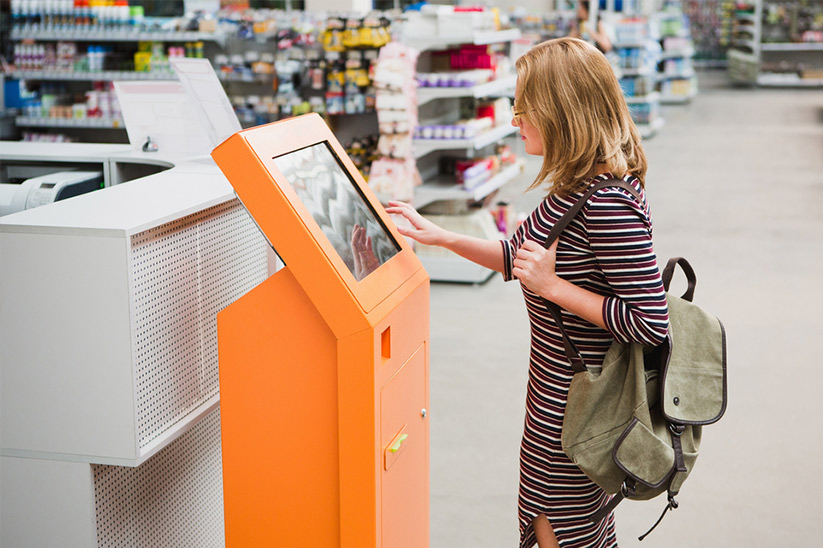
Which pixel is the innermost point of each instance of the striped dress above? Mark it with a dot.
(606, 249)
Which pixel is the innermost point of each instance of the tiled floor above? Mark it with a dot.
(736, 186)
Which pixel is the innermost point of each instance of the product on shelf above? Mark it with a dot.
(471, 173)
(454, 79)
(799, 21)
(54, 102)
(644, 113)
(34, 137)
(545, 26)
(632, 31)
(73, 57)
(637, 86)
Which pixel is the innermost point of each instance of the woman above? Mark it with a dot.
(602, 270)
(601, 35)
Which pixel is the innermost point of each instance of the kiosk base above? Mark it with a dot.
(325, 440)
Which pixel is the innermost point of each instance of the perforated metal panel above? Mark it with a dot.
(183, 273)
(175, 499)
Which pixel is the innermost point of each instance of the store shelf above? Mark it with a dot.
(246, 78)
(30, 121)
(674, 54)
(682, 33)
(788, 80)
(85, 35)
(498, 87)
(643, 71)
(108, 75)
(426, 146)
(677, 99)
(478, 38)
(799, 46)
(650, 98)
(631, 45)
(751, 44)
(647, 130)
(445, 189)
(483, 38)
(682, 75)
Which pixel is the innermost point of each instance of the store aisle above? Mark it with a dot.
(736, 184)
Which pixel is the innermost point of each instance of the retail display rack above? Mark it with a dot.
(67, 63)
(273, 64)
(777, 43)
(638, 49)
(676, 78)
(711, 24)
(465, 85)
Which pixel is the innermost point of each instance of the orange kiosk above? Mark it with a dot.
(324, 366)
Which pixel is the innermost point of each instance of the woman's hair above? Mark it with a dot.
(569, 92)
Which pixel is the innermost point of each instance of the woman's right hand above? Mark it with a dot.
(421, 230)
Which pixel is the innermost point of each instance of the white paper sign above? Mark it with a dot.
(163, 111)
(189, 117)
(202, 85)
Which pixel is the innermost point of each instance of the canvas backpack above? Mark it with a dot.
(633, 426)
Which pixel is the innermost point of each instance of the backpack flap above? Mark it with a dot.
(694, 379)
(645, 454)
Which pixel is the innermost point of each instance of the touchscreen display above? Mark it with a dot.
(338, 207)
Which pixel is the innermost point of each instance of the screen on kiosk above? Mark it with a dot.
(338, 207)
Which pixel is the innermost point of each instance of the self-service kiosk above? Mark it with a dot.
(324, 366)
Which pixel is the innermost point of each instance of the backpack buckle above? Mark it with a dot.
(628, 489)
(677, 429)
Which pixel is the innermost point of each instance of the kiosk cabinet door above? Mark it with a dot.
(405, 443)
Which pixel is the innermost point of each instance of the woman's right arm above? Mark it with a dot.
(487, 253)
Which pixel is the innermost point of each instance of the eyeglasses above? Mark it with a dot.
(516, 115)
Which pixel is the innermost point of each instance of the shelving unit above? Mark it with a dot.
(710, 23)
(77, 82)
(440, 105)
(437, 189)
(82, 35)
(639, 58)
(676, 78)
(107, 75)
(423, 147)
(478, 38)
(771, 46)
(74, 123)
(498, 87)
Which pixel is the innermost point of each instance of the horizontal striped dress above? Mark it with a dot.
(606, 249)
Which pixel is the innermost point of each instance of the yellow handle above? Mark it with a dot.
(395, 447)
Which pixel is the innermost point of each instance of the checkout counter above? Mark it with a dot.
(108, 349)
(113, 400)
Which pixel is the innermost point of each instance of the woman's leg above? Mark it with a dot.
(544, 533)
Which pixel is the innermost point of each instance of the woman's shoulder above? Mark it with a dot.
(618, 195)
(615, 204)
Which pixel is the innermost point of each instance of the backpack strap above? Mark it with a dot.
(691, 277)
(575, 358)
(628, 489)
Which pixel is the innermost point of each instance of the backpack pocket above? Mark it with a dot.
(643, 456)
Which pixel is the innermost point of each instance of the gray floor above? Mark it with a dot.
(736, 186)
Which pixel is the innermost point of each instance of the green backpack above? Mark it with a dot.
(634, 425)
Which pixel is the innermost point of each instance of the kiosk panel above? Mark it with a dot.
(338, 207)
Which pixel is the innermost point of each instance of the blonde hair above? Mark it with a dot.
(570, 94)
